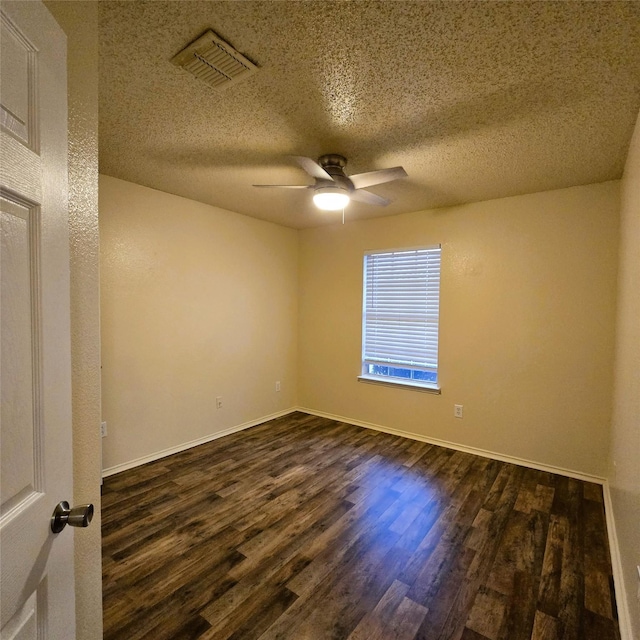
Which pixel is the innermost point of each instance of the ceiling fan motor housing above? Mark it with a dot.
(334, 165)
(331, 160)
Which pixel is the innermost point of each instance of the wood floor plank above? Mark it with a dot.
(546, 627)
(488, 613)
(344, 598)
(373, 626)
(443, 598)
(508, 486)
(406, 620)
(550, 578)
(308, 528)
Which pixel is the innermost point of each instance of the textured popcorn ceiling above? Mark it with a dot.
(477, 100)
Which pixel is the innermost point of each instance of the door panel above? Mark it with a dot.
(18, 111)
(21, 461)
(28, 623)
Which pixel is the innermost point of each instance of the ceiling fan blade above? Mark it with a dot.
(369, 198)
(312, 168)
(286, 186)
(361, 180)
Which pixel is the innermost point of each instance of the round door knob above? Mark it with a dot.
(79, 516)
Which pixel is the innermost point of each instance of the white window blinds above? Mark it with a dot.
(401, 309)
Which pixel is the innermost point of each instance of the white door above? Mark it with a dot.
(36, 584)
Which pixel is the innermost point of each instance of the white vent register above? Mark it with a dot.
(214, 61)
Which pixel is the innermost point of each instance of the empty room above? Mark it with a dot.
(321, 320)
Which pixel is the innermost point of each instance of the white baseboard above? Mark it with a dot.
(193, 443)
(624, 617)
(578, 475)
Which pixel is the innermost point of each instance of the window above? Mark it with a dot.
(400, 316)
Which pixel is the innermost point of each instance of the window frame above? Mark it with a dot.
(365, 361)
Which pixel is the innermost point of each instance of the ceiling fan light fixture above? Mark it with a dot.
(331, 198)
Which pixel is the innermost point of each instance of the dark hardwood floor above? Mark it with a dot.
(305, 528)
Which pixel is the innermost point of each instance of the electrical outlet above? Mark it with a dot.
(219, 402)
(103, 429)
(277, 385)
(457, 410)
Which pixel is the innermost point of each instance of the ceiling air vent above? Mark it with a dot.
(212, 60)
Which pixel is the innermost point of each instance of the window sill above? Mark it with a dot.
(405, 385)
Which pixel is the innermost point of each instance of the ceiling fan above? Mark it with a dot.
(333, 189)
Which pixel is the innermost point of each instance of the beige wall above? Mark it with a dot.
(625, 450)
(79, 20)
(527, 324)
(197, 302)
